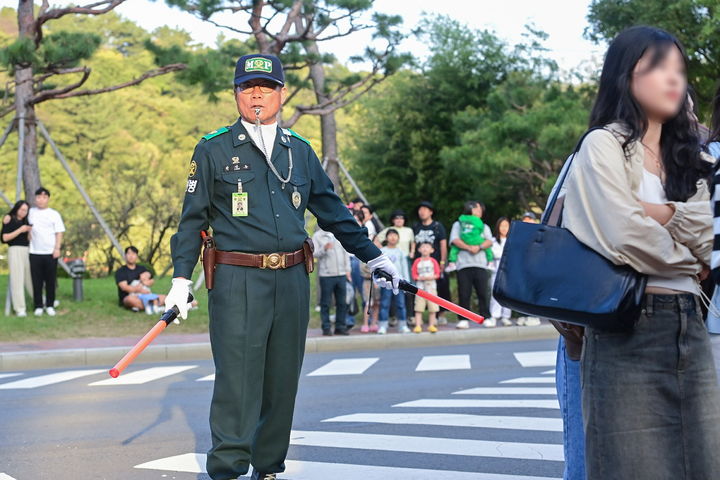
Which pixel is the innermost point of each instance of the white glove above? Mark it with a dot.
(178, 296)
(384, 264)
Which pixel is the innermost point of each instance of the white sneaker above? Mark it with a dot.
(382, 330)
(38, 312)
(462, 325)
(56, 303)
(21, 313)
(506, 321)
(532, 322)
(50, 311)
(490, 322)
(404, 329)
(159, 309)
(149, 309)
(521, 321)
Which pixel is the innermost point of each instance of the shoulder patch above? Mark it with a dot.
(288, 131)
(215, 133)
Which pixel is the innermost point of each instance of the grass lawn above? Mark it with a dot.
(99, 314)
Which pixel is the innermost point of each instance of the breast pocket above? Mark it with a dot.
(233, 179)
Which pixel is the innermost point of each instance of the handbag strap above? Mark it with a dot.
(550, 214)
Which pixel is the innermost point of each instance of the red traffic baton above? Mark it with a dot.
(166, 319)
(410, 288)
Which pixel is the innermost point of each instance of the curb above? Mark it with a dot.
(80, 357)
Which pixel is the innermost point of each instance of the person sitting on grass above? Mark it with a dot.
(472, 230)
(134, 282)
(425, 272)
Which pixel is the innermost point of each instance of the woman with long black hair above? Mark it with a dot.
(15, 232)
(638, 194)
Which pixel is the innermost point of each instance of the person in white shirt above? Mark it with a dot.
(45, 242)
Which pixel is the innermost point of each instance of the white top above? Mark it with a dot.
(45, 223)
(652, 191)
(372, 231)
(268, 134)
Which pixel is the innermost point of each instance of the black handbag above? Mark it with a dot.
(546, 272)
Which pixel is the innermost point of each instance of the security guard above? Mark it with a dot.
(252, 182)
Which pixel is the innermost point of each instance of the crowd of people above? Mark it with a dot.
(425, 255)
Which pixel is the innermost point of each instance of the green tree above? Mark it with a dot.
(295, 31)
(695, 23)
(41, 59)
(482, 120)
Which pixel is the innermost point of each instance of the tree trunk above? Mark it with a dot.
(328, 127)
(24, 92)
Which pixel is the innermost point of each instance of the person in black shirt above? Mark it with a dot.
(430, 231)
(134, 282)
(15, 232)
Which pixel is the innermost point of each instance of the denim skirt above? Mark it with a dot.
(650, 398)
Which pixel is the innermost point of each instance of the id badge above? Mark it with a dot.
(240, 204)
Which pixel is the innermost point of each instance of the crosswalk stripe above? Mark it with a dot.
(344, 366)
(49, 379)
(549, 372)
(8, 375)
(443, 362)
(143, 376)
(298, 470)
(507, 391)
(530, 380)
(539, 424)
(536, 359)
(209, 378)
(5, 476)
(437, 446)
(472, 403)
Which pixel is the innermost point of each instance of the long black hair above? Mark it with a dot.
(715, 122)
(679, 140)
(13, 212)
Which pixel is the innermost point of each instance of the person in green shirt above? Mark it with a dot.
(471, 232)
(251, 182)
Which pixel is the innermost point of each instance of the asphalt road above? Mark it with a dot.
(482, 412)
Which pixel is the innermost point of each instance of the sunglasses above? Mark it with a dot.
(247, 88)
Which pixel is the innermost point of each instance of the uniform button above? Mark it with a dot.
(273, 192)
(277, 215)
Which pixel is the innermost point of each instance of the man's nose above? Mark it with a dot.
(256, 93)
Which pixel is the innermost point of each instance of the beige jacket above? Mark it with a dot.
(602, 209)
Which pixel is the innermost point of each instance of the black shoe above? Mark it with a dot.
(342, 332)
(327, 333)
(263, 476)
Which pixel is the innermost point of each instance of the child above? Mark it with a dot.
(472, 231)
(398, 257)
(425, 271)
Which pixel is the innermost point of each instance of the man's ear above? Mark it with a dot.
(283, 95)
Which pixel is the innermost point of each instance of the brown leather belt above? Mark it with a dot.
(273, 261)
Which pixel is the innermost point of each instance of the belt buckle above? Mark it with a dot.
(273, 261)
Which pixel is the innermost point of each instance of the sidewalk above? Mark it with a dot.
(78, 352)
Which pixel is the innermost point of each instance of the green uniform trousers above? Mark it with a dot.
(258, 325)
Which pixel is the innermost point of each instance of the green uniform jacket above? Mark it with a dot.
(273, 224)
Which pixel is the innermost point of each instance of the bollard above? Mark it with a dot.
(77, 270)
